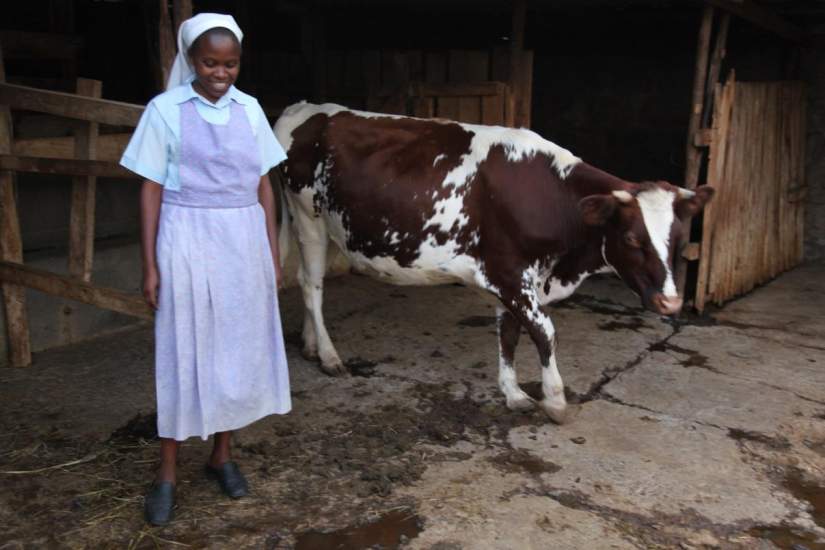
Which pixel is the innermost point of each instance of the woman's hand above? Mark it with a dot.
(151, 284)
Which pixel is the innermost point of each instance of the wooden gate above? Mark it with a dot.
(752, 229)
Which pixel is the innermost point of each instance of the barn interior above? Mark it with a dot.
(613, 81)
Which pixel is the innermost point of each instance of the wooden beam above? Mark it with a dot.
(11, 249)
(23, 45)
(166, 42)
(110, 147)
(181, 11)
(462, 89)
(719, 51)
(129, 303)
(693, 154)
(66, 167)
(103, 111)
(762, 18)
(516, 83)
(84, 191)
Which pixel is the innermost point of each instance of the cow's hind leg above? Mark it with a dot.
(313, 241)
(525, 308)
(509, 330)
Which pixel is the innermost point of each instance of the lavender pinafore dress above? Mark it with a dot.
(220, 361)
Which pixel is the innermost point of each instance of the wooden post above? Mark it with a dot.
(181, 10)
(693, 154)
(515, 97)
(82, 208)
(11, 249)
(166, 43)
(82, 217)
(715, 68)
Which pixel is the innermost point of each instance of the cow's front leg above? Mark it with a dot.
(525, 308)
(509, 330)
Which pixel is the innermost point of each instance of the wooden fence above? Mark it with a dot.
(753, 228)
(85, 156)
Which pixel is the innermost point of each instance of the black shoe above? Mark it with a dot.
(159, 503)
(230, 478)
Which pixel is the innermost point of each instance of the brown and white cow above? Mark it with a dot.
(424, 202)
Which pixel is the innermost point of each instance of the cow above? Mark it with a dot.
(423, 202)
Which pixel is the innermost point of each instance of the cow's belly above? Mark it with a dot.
(434, 265)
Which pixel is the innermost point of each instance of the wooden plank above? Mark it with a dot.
(716, 168)
(492, 109)
(103, 111)
(424, 107)
(525, 103)
(181, 11)
(703, 137)
(516, 58)
(24, 45)
(761, 17)
(166, 42)
(461, 89)
(66, 167)
(128, 303)
(110, 147)
(11, 249)
(693, 155)
(435, 67)
(719, 51)
(82, 210)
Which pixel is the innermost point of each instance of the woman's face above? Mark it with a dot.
(217, 62)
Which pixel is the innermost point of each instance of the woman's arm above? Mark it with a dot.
(267, 199)
(151, 194)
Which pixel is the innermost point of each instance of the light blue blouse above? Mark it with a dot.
(154, 149)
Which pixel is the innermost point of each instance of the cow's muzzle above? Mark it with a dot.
(666, 305)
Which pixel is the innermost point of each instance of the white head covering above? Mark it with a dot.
(189, 31)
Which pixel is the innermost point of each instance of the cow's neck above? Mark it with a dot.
(584, 255)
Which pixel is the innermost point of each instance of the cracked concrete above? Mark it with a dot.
(703, 433)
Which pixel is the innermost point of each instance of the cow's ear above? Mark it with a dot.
(597, 209)
(689, 204)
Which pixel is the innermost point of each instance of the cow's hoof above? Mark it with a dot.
(523, 403)
(556, 411)
(335, 369)
(310, 354)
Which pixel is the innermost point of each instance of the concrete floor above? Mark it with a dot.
(708, 433)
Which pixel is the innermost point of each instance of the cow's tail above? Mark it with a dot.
(286, 222)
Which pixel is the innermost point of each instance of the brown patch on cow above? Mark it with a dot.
(384, 170)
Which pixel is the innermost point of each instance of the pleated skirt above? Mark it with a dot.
(220, 362)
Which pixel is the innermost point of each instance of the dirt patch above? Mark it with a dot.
(519, 461)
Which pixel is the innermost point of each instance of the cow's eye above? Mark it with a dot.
(630, 239)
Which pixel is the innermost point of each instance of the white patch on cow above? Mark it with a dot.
(558, 290)
(554, 402)
(657, 211)
(442, 156)
(295, 115)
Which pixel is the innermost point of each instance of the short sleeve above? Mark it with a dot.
(272, 154)
(146, 154)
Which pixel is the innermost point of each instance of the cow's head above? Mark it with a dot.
(642, 231)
